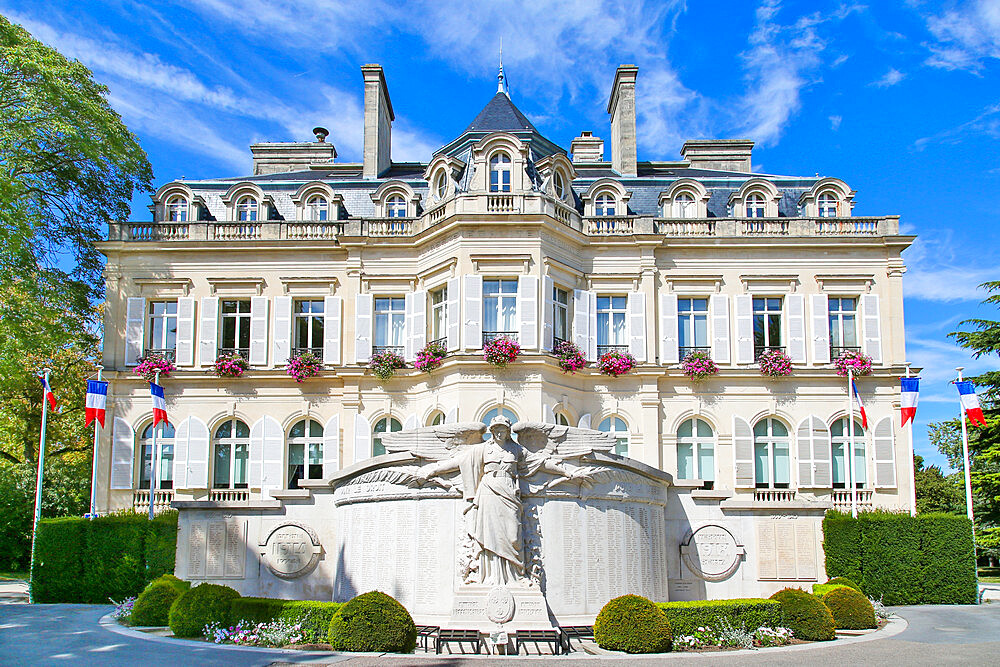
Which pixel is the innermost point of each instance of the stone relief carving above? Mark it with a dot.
(712, 553)
(291, 549)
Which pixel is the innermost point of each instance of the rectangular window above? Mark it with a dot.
(309, 316)
(843, 325)
(560, 315)
(236, 328)
(692, 326)
(162, 328)
(611, 324)
(390, 322)
(439, 315)
(766, 324)
(499, 309)
(166, 478)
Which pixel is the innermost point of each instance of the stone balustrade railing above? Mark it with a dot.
(773, 495)
(842, 500)
(229, 496)
(161, 500)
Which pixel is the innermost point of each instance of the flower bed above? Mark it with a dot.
(858, 363)
(501, 351)
(430, 357)
(726, 635)
(272, 634)
(151, 364)
(774, 363)
(230, 365)
(384, 364)
(303, 366)
(698, 366)
(616, 363)
(570, 357)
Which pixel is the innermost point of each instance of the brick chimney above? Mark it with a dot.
(621, 106)
(378, 122)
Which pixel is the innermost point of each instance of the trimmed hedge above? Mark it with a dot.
(844, 581)
(196, 608)
(842, 545)
(314, 617)
(373, 622)
(57, 575)
(805, 615)
(851, 610)
(152, 607)
(751, 613)
(633, 624)
(890, 547)
(948, 559)
(823, 589)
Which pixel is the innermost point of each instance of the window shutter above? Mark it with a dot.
(258, 331)
(282, 330)
(135, 314)
(813, 453)
(669, 352)
(885, 454)
(362, 439)
(527, 310)
(416, 325)
(821, 328)
(181, 435)
(822, 455)
(364, 305)
(255, 465)
(795, 306)
(122, 454)
(592, 325)
(333, 307)
(872, 328)
(743, 304)
(331, 445)
(584, 421)
(453, 313)
(197, 453)
(410, 423)
(804, 454)
(719, 304)
(473, 313)
(548, 331)
(451, 417)
(635, 325)
(743, 453)
(407, 327)
(548, 414)
(581, 322)
(267, 455)
(185, 331)
(208, 341)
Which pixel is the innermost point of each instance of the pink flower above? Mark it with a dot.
(860, 364)
(501, 351)
(698, 365)
(385, 364)
(230, 365)
(430, 357)
(775, 363)
(304, 365)
(150, 364)
(570, 357)
(616, 363)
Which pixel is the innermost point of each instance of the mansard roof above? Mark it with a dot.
(500, 115)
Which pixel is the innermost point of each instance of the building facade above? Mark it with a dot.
(503, 232)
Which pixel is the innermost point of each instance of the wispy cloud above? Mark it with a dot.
(936, 271)
(835, 122)
(965, 36)
(987, 123)
(890, 78)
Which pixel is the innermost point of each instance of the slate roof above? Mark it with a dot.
(500, 115)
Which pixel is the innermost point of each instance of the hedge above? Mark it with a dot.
(110, 557)
(372, 621)
(851, 610)
(805, 615)
(823, 589)
(314, 617)
(948, 559)
(633, 624)
(751, 613)
(199, 606)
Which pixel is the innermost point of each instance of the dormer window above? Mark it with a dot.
(247, 209)
(827, 205)
(605, 205)
(395, 207)
(500, 173)
(177, 209)
(317, 208)
(755, 204)
(441, 184)
(559, 185)
(684, 206)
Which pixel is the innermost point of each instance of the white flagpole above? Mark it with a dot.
(93, 469)
(154, 472)
(965, 457)
(850, 443)
(913, 473)
(38, 486)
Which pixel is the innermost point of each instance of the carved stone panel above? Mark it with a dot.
(786, 550)
(291, 550)
(712, 553)
(216, 549)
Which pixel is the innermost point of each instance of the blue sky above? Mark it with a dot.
(899, 99)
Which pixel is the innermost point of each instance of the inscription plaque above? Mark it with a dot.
(712, 553)
(196, 550)
(291, 550)
(216, 550)
(786, 550)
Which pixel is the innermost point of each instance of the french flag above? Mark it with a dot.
(159, 404)
(909, 390)
(970, 402)
(861, 407)
(47, 392)
(97, 400)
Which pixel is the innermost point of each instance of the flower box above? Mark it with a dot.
(501, 351)
(152, 364)
(616, 363)
(231, 365)
(570, 356)
(698, 365)
(304, 365)
(384, 364)
(774, 363)
(860, 364)
(430, 357)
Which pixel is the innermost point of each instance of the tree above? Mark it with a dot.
(935, 491)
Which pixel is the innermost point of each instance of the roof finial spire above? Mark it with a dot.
(501, 85)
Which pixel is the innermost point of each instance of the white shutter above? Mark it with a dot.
(581, 322)
(592, 325)
(255, 465)
(407, 327)
(416, 324)
(473, 316)
(122, 454)
(331, 445)
(719, 304)
(258, 331)
(185, 331)
(548, 414)
(197, 454)
(584, 421)
(527, 310)
(813, 453)
(669, 352)
(208, 330)
(272, 477)
(453, 313)
(743, 304)
(635, 325)
(451, 417)
(181, 435)
(872, 328)
(795, 307)
(743, 453)
(364, 306)
(362, 438)
(410, 423)
(548, 310)
(884, 442)
(333, 307)
(820, 328)
(822, 455)
(282, 330)
(135, 314)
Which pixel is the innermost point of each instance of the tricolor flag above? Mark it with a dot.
(861, 407)
(970, 402)
(159, 404)
(47, 392)
(97, 400)
(909, 389)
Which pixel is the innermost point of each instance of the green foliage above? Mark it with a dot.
(633, 624)
(823, 589)
(117, 543)
(947, 559)
(844, 581)
(842, 545)
(805, 615)
(314, 617)
(58, 571)
(161, 544)
(935, 491)
(153, 605)
(372, 622)
(750, 613)
(890, 544)
(851, 610)
(199, 606)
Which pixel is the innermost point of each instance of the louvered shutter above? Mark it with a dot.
(122, 454)
(581, 322)
(884, 442)
(527, 310)
(871, 320)
(208, 331)
(416, 326)
(719, 304)
(743, 304)
(820, 328)
(453, 313)
(331, 446)
(795, 307)
(258, 331)
(548, 414)
(364, 306)
(592, 325)
(822, 455)
(198, 443)
(584, 421)
(333, 308)
(255, 463)
(181, 435)
(362, 439)
(407, 327)
(451, 417)
(282, 330)
(669, 352)
(473, 316)
(135, 314)
(635, 322)
(267, 442)
(813, 453)
(548, 312)
(743, 453)
(185, 331)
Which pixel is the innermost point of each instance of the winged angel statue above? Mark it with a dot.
(490, 473)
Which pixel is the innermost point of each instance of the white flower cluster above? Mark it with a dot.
(725, 635)
(244, 633)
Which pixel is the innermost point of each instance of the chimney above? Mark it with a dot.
(719, 154)
(587, 148)
(378, 122)
(621, 106)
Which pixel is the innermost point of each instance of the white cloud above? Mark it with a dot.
(890, 78)
(987, 123)
(835, 122)
(937, 273)
(965, 36)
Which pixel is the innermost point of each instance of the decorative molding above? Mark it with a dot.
(309, 285)
(388, 284)
(447, 267)
(708, 284)
(845, 282)
(770, 283)
(501, 264)
(163, 286)
(237, 286)
(614, 281)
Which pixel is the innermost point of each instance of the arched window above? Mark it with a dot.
(559, 185)
(165, 443)
(605, 204)
(384, 425)
(562, 419)
(617, 427)
(441, 184)
(827, 205)
(840, 442)
(437, 418)
(500, 170)
(305, 452)
(177, 209)
(755, 205)
(317, 208)
(696, 451)
(231, 453)
(770, 450)
(684, 206)
(246, 209)
(395, 207)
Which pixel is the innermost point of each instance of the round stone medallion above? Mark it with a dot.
(291, 550)
(500, 605)
(712, 553)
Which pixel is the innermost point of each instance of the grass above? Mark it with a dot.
(13, 576)
(989, 575)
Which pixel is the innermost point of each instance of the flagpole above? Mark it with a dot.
(965, 458)
(154, 472)
(913, 472)
(850, 442)
(93, 469)
(38, 485)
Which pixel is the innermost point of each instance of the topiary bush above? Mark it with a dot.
(373, 622)
(842, 545)
(851, 610)
(823, 589)
(751, 613)
(199, 606)
(844, 581)
(805, 615)
(633, 624)
(152, 607)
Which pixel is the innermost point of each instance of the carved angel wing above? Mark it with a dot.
(434, 443)
(562, 441)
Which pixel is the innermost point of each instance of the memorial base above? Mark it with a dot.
(494, 608)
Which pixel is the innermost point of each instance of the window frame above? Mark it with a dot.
(501, 165)
(698, 443)
(770, 442)
(823, 205)
(388, 421)
(605, 204)
(177, 208)
(610, 315)
(162, 320)
(755, 205)
(438, 320)
(612, 422)
(684, 205)
(163, 442)
(687, 325)
(860, 457)
(385, 321)
(234, 441)
(560, 315)
(312, 323)
(502, 299)
(441, 184)
(766, 315)
(247, 208)
(306, 441)
(395, 206)
(836, 324)
(241, 324)
(317, 212)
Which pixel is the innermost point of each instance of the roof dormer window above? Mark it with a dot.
(441, 184)
(247, 209)
(395, 207)
(755, 205)
(685, 206)
(500, 173)
(559, 185)
(605, 205)
(317, 208)
(827, 205)
(177, 209)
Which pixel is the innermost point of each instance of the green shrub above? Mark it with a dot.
(633, 624)
(842, 545)
(115, 556)
(199, 606)
(947, 559)
(890, 548)
(372, 622)
(58, 571)
(851, 610)
(823, 589)
(161, 544)
(751, 613)
(844, 581)
(805, 615)
(179, 584)
(153, 605)
(313, 616)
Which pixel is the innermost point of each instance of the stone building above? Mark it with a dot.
(503, 232)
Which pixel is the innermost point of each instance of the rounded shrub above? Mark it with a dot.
(805, 615)
(851, 610)
(373, 622)
(633, 624)
(152, 607)
(844, 581)
(199, 606)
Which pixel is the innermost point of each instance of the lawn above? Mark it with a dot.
(989, 575)
(13, 576)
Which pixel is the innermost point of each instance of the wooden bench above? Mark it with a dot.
(424, 634)
(550, 637)
(571, 632)
(447, 636)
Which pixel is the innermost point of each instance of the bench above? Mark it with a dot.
(447, 636)
(424, 633)
(571, 632)
(551, 637)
